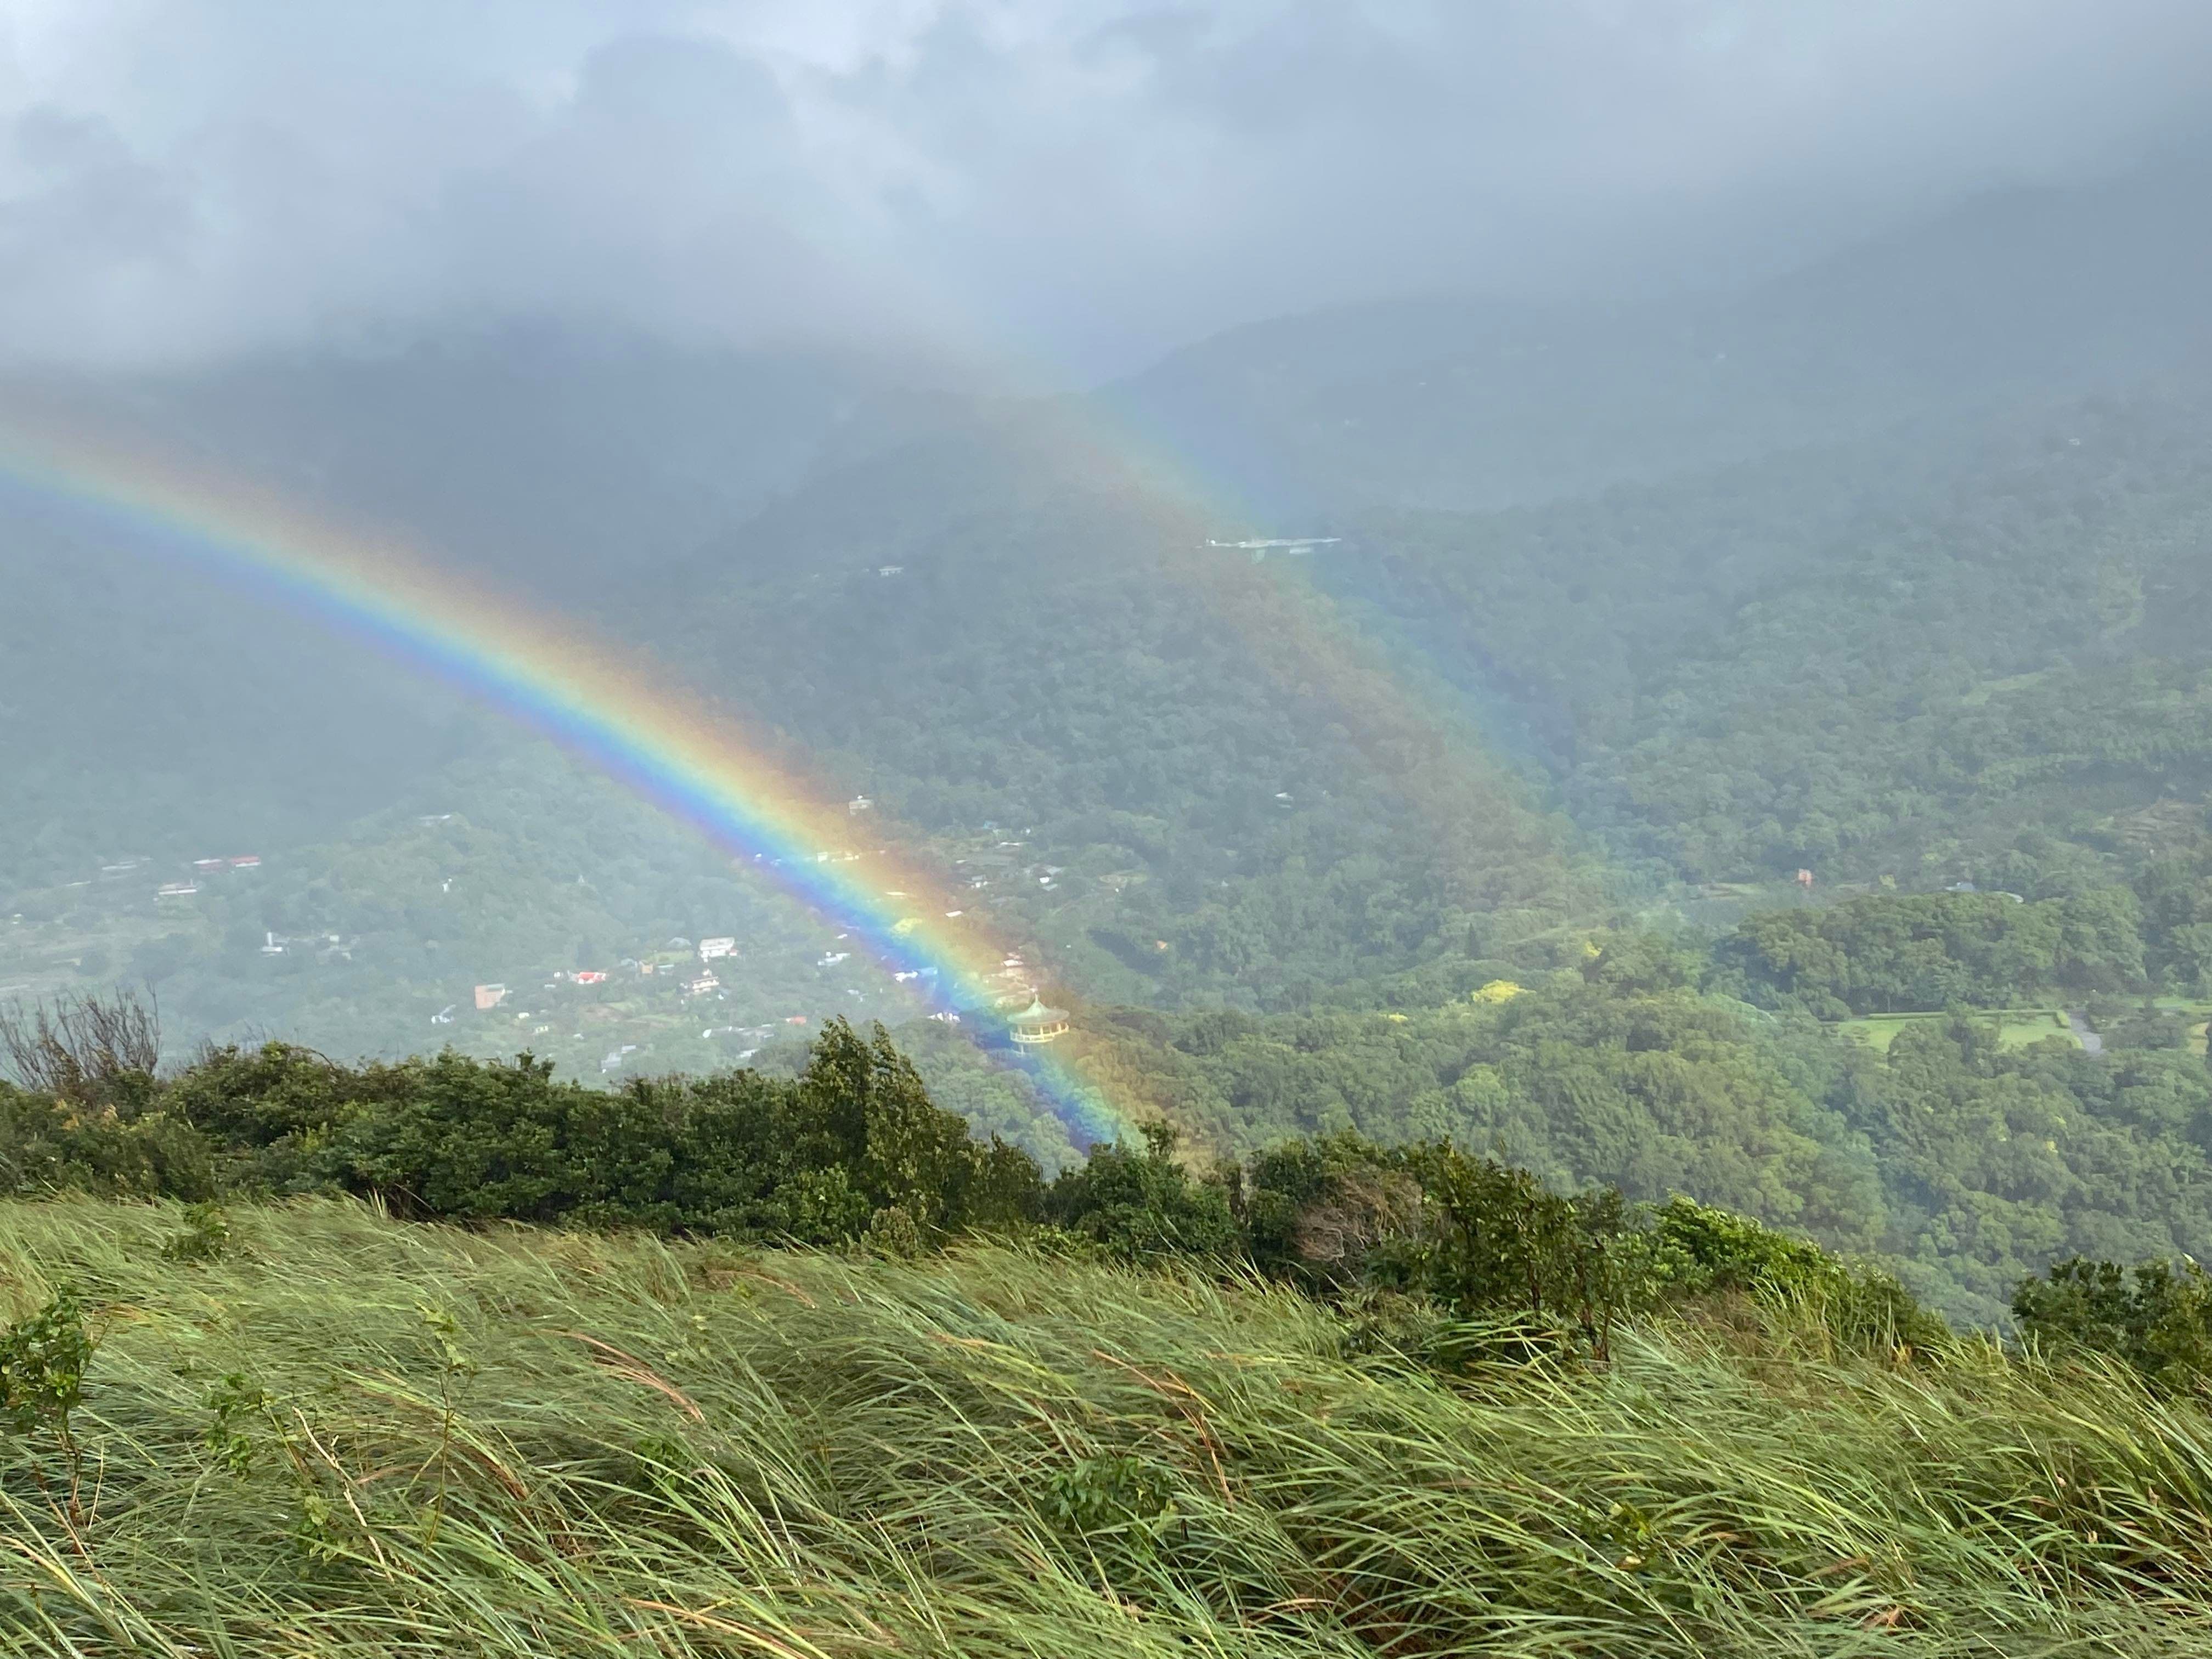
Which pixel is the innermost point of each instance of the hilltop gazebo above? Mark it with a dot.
(1036, 1023)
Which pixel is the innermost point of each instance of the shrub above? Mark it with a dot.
(2156, 1317)
(203, 1236)
(1704, 1249)
(43, 1360)
(1141, 1206)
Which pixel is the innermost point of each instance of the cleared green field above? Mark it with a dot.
(2197, 1012)
(2017, 1027)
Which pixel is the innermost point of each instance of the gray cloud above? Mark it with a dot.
(1071, 181)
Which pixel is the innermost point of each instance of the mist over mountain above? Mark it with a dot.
(1071, 188)
(977, 608)
(2014, 297)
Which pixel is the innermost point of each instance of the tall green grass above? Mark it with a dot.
(437, 1442)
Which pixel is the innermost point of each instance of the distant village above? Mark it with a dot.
(204, 870)
(680, 989)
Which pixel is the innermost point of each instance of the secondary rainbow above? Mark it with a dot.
(595, 701)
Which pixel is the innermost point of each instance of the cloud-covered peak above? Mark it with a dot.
(1071, 183)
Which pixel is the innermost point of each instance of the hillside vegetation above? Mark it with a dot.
(1963, 1160)
(1978, 654)
(1205, 786)
(837, 1377)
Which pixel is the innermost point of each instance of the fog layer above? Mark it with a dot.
(1074, 184)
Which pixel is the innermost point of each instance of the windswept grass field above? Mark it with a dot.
(347, 1436)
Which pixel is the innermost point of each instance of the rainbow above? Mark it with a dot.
(596, 704)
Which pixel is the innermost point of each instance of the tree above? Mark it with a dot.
(90, 1050)
(2156, 1317)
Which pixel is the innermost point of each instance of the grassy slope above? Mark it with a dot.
(622, 1448)
(2016, 1027)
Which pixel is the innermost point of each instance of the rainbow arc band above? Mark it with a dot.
(665, 746)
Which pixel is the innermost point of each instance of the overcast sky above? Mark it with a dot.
(1076, 182)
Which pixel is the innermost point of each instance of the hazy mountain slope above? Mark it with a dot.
(147, 711)
(151, 710)
(1156, 764)
(551, 456)
(1961, 666)
(147, 706)
(1207, 786)
(1461, 403)
(514, 869)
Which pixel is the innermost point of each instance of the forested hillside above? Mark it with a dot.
(1991, 668)
(1176, 779)
(1964, 1161)
(1232, 796)
(147, 713)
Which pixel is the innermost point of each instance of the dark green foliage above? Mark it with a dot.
(1469, 1234)
(236, 1403)
(1963, 1164)
(852, 1150)
(1502, 1240)
(2157, 1315)
(45, 1142)
(1331, 1213)
(810, 1159)
(43, 1360)
(1581, 1080)
(1926, 952)
(1139, 1205)
(2176, 892)
(204, 1236)
(1996, 1162)
(1113, 1505)
(1431, 1249)
(1709, 1251)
